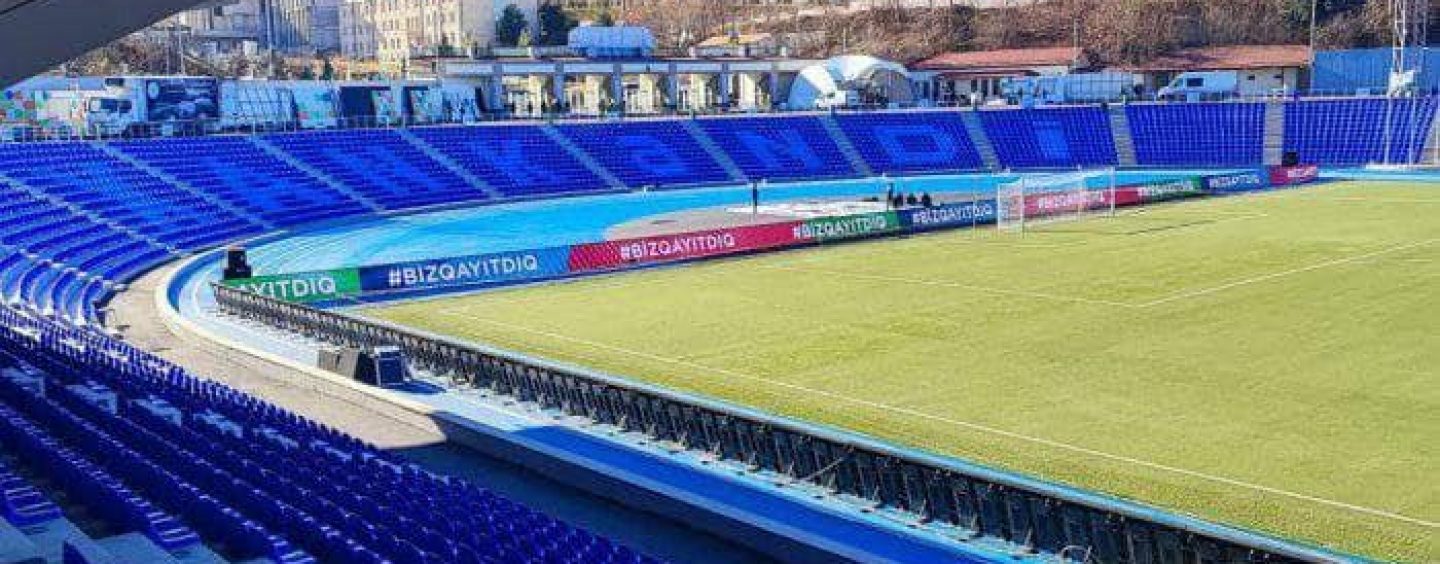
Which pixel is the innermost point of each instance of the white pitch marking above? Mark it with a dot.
(1380, 200)
(965, 424)
(947, 284)
(1283, 273)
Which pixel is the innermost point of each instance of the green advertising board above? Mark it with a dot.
(848, 226)
(1171, 189)
(302, 287)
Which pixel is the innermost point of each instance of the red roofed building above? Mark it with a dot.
(1260, 69)
(955, 76)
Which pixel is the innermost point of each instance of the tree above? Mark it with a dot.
(512, 23)
(327, 70)
(525, 39)
(605, 19)
(555, 25)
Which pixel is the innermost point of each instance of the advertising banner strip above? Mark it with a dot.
(555, 262)
(304, 287)
(1166, 190)
(1247, 181)
(1292, 175)
(848, 227)
(682, 246)
(980, 212)
(1043, 204)
(476, 270)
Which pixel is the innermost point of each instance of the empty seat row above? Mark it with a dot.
(519, 161)
(1201, 134)
(1060, 137)
(911, 142)
(779, 148)
(89, 179)
(242, 174)
(380, 165)
(656, 153)
(1349, 132)
(241, 472)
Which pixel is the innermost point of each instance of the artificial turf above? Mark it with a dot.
(1270, 361)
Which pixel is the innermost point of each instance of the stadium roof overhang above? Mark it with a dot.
(37, 35)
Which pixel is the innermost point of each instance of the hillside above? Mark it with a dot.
(1114, 30)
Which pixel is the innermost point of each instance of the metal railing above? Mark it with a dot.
(970, 500)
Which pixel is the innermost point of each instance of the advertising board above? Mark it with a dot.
(681, 246)
(847, 226)
(1246, 181)
(949, 215)
(1292, 175)
(476, 270)
(302, 287)
(1165, 190)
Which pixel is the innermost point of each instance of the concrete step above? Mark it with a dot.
(135, 548)
(181, 185)
(971, 119)
(328, 180)
(847, 148)
(448, 163)
(15, 547)
(707, 143)
(585, 159)
(87, 214)
(1124, 141)
(1274, 132)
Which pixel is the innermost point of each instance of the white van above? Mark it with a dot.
(1196, 86)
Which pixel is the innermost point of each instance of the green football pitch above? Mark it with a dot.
(1270, 361)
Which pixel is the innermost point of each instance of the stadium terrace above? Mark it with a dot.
(814, 316)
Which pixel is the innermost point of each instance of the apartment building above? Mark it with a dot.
(395, 31)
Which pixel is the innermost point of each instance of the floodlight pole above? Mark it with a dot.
(1409, 21)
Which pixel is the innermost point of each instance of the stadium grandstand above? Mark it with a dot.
(1151, 332)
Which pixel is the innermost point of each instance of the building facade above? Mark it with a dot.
(979, 75)
(1260, 70)
(301, 26)
(220, 28)
(394, 32)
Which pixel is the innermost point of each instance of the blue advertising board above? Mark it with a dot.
(1246, 181)
(477, 270)
(945, 216)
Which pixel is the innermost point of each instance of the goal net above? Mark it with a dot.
(1054, 197)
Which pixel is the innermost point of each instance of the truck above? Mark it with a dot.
(140, 104)
(149, 106)
(1068, 88)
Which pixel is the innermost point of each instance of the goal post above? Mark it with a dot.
(1046, 198)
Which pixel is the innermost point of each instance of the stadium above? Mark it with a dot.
(1150, 331)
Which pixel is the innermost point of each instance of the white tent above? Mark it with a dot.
(851, 79)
